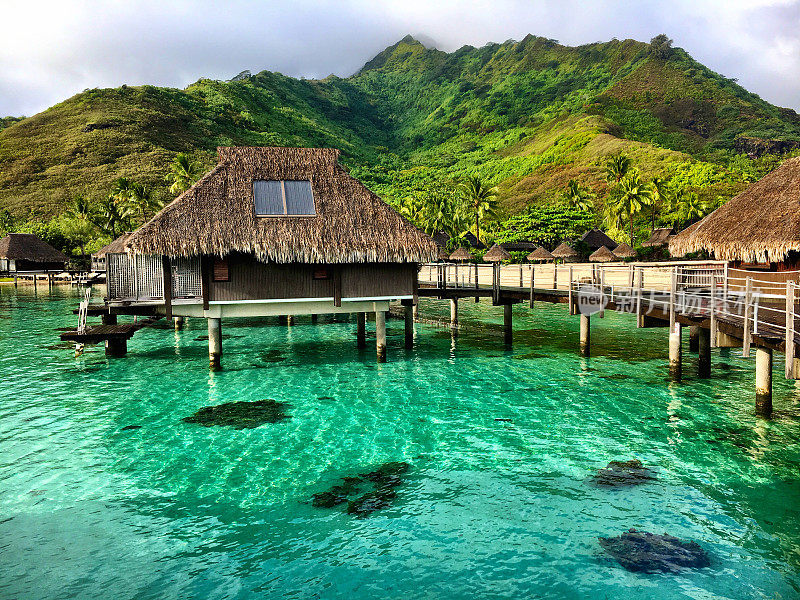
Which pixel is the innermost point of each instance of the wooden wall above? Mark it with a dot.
(253, 280)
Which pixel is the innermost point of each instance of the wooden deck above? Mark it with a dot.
(96, 334)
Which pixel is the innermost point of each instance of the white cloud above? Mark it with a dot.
(51, 50)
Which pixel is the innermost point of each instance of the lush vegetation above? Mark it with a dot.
(534, 122)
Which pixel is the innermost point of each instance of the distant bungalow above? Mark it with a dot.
(761, 225)
(21, 252)
(596, 239)
(271, 231)
(99, 257)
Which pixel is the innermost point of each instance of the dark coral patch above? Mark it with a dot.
(644, 552)
(623, 473)
(240, 415)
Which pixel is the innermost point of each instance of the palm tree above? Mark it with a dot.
(183, 174)
(140, 204)
(660, 198)
(80, 208)
(617, 167)
(691, 207)
(111, 219)
(480, 198)
(632, 194)
(578, 197)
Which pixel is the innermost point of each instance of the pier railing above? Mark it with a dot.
(761, 303)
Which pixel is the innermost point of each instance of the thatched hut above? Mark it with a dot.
(659, 237)
(520, 246)
(461, 254)
(21, 252)
(595, 239)
(602, 254)
(271, 231)
(115, 247)
(564, 252)
(761, 224)
(541, 254)
(496, 254)
(623, 250)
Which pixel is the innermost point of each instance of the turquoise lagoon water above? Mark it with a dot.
(490, 509)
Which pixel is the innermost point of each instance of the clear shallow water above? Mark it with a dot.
(491, 509)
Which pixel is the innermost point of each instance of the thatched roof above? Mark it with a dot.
(519, 245)
(26, 246)
(602, 254)
(623, 250)
(216, 216)
(564, 251)
(115, 247)
(496, 254)
(660, 237)
(461, 254)
(541, 254)
(594, 238)
(761, 224)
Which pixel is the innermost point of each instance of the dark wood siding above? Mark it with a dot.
(253, 280)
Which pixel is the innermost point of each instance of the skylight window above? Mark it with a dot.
(283, 198)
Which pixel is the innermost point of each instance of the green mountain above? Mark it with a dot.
(529, 115)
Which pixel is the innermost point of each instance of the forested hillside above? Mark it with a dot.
(535, 118)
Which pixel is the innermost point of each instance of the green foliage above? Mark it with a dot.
(661, 46)
(546, 226)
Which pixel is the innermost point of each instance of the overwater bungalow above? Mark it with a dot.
(659, 237)
(271, 231)
(115, 247)
(25, 252)
(758, 228)
(541, 254)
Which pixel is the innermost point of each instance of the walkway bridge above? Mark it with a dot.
(724, 307)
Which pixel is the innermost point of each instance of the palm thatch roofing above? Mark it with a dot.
(519, 245)
(461, 254)
(496, 254)
(760, 224)
(660, 237)
(594, 238)
(602, 254)
(26, 246)
(623, 250)
(216, 216)
(564, 250)
(541, 253)
(115, 247)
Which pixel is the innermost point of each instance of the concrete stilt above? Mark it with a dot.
(116, 347)
(694, 332)
(314, 318)
(508, 332)
(703, 353)
(764, 381)
(361, 330)
(215, 343)
(675, 353)
(585, 339)
(454, 313)
(416, 311)
(179, 322)
(380, 334)
(409, 329)
(290, 319)
(108, 319)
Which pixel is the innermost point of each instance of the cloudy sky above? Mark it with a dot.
(50, 50)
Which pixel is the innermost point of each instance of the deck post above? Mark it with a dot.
(555, 276)
(521, 278)
(533, 270)
(290, 319)
(748, 315)
(314, 318)
(585, 339)
(15, 280)
(673, 291)
(630, 278)
(380, 334)
(409, 325)
(416, 310)
(215, 343)
(116, 347)
(570, 298)
(602, 288)
(34, 283)
(675, 352)
(507, 322)
(789, 322)
(704, 353)
(694, 337)
(179, 322)
(361, 330)
(454, 313)
(764, 381)
(639, 289)
(713, 310)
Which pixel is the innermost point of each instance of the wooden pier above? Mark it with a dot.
(726, 307)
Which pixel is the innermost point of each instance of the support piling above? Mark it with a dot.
(764, 381)
(380, 334)
(215, 343)
(585, 338)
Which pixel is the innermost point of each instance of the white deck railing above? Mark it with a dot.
(140, 278)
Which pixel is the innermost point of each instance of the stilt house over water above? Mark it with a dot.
(20, 252)
(270, 231)
(761, 225)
